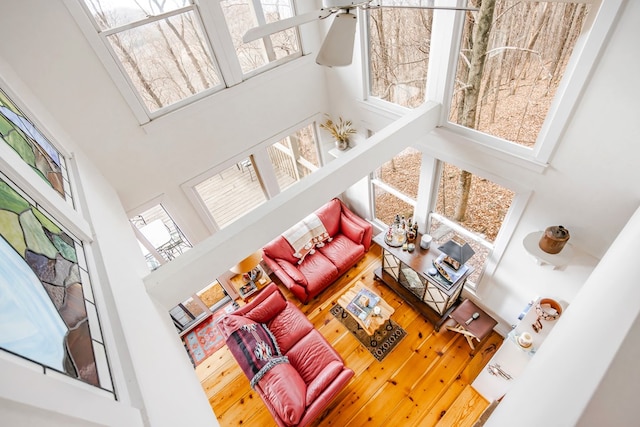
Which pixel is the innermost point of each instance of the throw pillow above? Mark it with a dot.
(292, 271)
(351, 230)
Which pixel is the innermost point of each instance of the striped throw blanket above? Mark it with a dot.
(256, 350)
(306, 235)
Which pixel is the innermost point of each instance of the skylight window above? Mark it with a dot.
(160, 46)
(242, 15)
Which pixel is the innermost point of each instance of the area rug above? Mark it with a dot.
(383, 340)
(205, 339)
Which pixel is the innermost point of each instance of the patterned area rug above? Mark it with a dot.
(381, 342)
(205, 339)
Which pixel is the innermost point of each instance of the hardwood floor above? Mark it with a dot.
(424, 381)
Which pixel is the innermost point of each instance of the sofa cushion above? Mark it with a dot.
(312, 346)
(342, 252)
(323, 380)
(329, 214)
(289, 327)
(273, 304)
(286, 392)
(319, 271)
(352, 230)
(292, 271)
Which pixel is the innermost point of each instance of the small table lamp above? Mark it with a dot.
(248, 266)
(460, 252)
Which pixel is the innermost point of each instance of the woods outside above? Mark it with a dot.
(512, 58)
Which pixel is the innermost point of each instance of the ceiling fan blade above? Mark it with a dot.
(337, 48)
(281, 25)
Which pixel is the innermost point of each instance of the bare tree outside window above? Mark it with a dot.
(167, 59)
(511, 62)
(395, 186)
(513, 57)
(242, 15)
(399, 41)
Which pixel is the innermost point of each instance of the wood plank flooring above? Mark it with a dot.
(423, 382)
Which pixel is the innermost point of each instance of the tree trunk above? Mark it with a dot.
(464, 188)
(472, 91)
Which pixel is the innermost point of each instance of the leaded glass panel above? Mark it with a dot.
(44, 314)
(32, 146)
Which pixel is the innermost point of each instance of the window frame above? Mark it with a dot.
(445, 42)
(431, 174)
(217, 38)
(72, 222)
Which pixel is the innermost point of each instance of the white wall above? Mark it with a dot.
(585, 373)
(590, 185)
(141, 163)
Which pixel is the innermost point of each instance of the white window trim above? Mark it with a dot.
(509, 223)
(440, 78)
(216, 37)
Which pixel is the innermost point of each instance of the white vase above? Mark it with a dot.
(342, 144)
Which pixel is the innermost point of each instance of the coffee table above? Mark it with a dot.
(370, 322)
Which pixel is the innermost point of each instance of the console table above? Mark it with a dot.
(406, 274)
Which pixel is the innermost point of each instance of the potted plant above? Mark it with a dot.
(340, 131)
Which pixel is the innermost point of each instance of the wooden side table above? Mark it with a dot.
(246, 289)
(472, 322)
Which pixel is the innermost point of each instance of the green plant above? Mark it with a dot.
(340, 130)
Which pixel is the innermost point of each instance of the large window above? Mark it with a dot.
(159, 237)
(167, 50)
(295, 156)
(395, 186)
(232, 192)
(242, 15)
(48, 312)
(399, 43)
(471, 209)
(161, 48)
(511, 61)
(33, 147)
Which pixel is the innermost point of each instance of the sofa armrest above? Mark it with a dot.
(366, 226)
(265, 306)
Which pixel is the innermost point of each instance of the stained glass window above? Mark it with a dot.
(47, 311)
(32, 146)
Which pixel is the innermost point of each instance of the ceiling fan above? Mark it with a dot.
(337, 48)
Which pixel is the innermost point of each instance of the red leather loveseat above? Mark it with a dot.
(335, 239)
(297, 372)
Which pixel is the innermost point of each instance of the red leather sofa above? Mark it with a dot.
(349, 240)
(295, 392)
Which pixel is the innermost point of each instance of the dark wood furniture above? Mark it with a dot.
(473, 323)
(406, 274)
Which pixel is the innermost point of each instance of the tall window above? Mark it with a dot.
(159, 237)
(470, 209)
(395, 186)
(232, 192)
(242, 15)
(48, 315)
(166, 50)
(399, 43)
(161, 48)
(295, 156)
(33, 147)
(510, 67)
